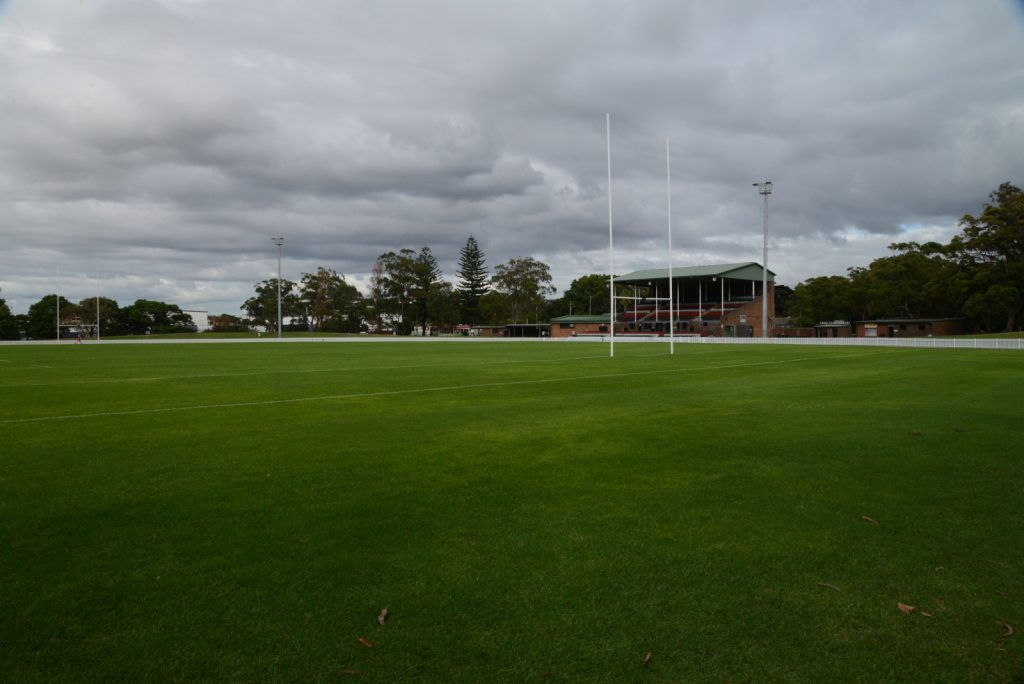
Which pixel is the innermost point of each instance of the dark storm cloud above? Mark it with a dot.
(163, 142)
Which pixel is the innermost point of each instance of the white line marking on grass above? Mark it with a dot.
(158, 378)
(34, 365)
(389, 393)
(199, 376)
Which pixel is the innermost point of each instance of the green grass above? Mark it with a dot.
(998, 336)
(526, 512)
(210, 335)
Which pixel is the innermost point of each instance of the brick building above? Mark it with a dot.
(570, 326)
(910, 327)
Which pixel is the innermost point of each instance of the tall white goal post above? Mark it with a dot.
(613, 297)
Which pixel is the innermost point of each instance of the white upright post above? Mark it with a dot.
(97, 305)
(58, 305)
(671, 301)
(611, 243)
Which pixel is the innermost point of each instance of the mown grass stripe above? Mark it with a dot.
(421, 390)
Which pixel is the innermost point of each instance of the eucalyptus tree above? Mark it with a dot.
(331, 303)
(524, 283)
(8, 323)
(991, 247)
(262, 307)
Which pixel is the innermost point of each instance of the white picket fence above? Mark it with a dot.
(909, 342)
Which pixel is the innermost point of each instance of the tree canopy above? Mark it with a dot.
(42, 316)
(473, 280)
(524, 283)
(587, 295)
(394, 286)
(147, 316)
(991, 248)
(8, 323)
(262, 307)
(978, 275)
(426, 277)
(332, 304)
(112, 320)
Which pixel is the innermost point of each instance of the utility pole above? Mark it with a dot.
(278, 241)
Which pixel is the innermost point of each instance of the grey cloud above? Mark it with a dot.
(166, 141)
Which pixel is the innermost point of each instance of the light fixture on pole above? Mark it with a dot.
(765, 189)
(278, 241)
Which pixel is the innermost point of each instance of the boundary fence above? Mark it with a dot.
(893, 342)
(905, 342)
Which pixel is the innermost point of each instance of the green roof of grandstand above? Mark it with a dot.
(750, 270)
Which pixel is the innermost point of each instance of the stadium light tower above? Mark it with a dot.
(765, 189)
(278, 241)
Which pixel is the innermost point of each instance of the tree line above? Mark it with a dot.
(978, 275)
(143, 317)
(407, 293)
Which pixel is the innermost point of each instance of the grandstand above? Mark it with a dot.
(720, 299)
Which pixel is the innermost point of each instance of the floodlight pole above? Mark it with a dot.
(765, 189)
(611, 249)
(97, 305)
(671, 304)
(278, 241)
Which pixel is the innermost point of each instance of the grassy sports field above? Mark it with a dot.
(525, 512)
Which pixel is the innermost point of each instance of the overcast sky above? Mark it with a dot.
(161, 143)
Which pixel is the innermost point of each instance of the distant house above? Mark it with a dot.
(910, 327)
(784, 327)
(227, 323)
(200, 319)
(833, 329)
